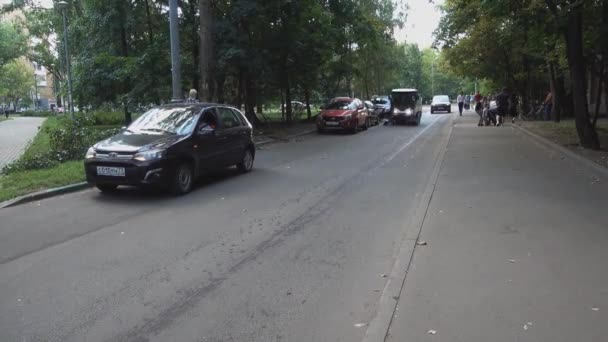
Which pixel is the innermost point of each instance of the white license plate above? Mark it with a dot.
(332, 123)
(111, 171)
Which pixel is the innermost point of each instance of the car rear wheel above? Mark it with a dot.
(182, 179)
(107, 188)
(432, 111)
(366, 125)
(247, 163)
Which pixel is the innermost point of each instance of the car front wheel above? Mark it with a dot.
(182, 179)
(247, 163)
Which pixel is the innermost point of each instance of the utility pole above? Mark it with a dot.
(176, 68)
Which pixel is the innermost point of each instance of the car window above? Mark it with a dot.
(342, 105)
(163, 120)
(227, 118)
(404, 99)
(208, 119)
(441, 98)
(241, 117)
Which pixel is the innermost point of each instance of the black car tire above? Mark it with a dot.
(247, 163)
(432, 111)
(417, 122)
(355, 129)
(182, 179)
(106, 188)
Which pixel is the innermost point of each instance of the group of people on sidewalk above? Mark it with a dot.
(505, 103)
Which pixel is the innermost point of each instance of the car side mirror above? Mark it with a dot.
(206, 131)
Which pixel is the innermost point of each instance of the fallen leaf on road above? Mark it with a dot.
(244, 210)
(529, 324)
(440, 211)
(432, 332)
(383, 275)
(421, 243)
(510, 280)
(288, 167)
(511, 260)
(525, 327)
(122, 233)
(595, 309)
(359, 325)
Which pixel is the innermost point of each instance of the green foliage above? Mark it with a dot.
(60, 140)
(16, 81)
(13, 43)
(21, 183)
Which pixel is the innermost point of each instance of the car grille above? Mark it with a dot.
(114, 155)
(332, 118)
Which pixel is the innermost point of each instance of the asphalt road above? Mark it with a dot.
(294, 251)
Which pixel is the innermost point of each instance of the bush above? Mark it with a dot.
(44, 113)
(108, 118)
(68, 140)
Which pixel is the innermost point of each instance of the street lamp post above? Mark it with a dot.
(62, 6)
(175, 60)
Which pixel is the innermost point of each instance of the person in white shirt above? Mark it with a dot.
(460, 101)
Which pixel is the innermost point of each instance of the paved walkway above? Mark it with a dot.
(15, 135)
(517, 239)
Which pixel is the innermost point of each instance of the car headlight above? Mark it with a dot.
(395, 111)
(408, 111)
(149, 155)
(90, 153)
(348, 117)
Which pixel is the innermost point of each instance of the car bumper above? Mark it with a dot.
(337, 125)
(403, 118)
(136, 173)
(440, 108)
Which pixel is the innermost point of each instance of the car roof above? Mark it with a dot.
(197, 105)
(342, 99)
(441, 96)
(405, 90)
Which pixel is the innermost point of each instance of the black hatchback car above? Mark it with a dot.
(170, 146)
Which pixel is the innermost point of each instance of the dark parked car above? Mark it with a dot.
(170, 146)
(343, 113)
(382, 106)
(441, 103)
(407, 106)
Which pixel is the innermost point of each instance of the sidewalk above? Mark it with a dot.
(517, 246)
(15, 135)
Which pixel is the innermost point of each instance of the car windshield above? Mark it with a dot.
(380, 101)
(441, 98)
(404, 99)
(343, 105)
(178, 121)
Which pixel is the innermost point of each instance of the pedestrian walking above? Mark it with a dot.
(502, 103)
(460, 100)
(467, 102)
(479, 108)
(548, 106)
(6, 111)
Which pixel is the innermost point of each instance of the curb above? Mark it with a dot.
(289, 137)
(561, 149)
(44, 194)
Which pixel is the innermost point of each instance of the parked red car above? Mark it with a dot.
(343, 113)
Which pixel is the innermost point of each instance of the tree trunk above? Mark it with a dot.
(149, 23)
(282, 105)
(288, 109)
(220, 82)
(576, 62)
(598, 94)
(557, 97)
(125, 107)
(250, 101)
(241, 89)
(307, 99)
